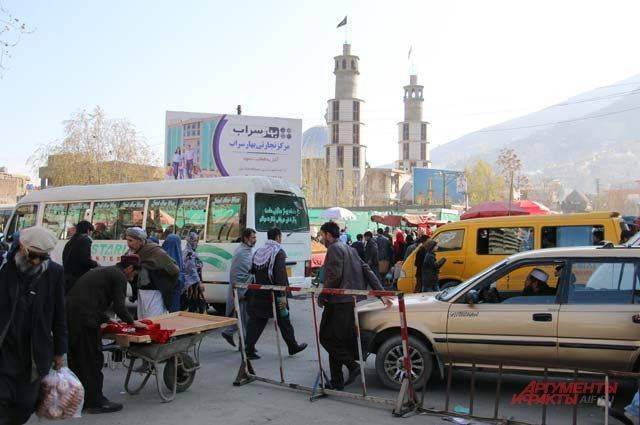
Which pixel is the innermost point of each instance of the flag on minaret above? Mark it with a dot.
(342, 23)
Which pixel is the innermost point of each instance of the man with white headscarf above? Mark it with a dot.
(33, 328)
(269, 268)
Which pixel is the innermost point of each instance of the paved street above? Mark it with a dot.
(213, 399)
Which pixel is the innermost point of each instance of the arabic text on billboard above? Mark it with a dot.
(210, 145)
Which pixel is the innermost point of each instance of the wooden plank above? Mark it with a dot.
(182, 322)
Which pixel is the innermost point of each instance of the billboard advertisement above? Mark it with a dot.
(433, 187)
(212, 145)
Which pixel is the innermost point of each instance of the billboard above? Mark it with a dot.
(432, 186)
(212, 145)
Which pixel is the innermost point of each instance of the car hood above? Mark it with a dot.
(412, 301)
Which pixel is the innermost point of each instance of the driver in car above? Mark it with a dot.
(536, 284)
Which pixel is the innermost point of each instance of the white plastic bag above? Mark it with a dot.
(61, 395)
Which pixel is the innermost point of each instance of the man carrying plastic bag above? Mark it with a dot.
(61, 395)
(31, 311)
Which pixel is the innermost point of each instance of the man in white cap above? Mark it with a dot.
(536, 284)
(31, 312)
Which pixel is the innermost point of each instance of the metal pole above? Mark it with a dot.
(444, 189)
(275, 322)
(404, 332)
(360, 359)
(448, 394)
(317, 338)
(544, 405)
(241, 341)
(606, 400)
(575, 406)
(498, 385)
(472, 393)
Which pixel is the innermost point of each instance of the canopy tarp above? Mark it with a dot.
(501, 208)
(410, 220)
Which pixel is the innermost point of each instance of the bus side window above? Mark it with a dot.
(564, 236)
(54, 218)
(179, 216)
(226, 218)
(62, 218)
(25, 216)
(112, 218)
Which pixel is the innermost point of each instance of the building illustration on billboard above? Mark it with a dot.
(442, 188)
(213, 145)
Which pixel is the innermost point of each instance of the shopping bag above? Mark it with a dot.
(61, 395)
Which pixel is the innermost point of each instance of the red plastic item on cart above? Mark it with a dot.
(153, 330)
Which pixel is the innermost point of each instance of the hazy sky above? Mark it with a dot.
(481, 62)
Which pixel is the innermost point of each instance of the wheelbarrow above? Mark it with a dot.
(179, 366)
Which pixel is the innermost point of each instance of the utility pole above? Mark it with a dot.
(444, 190)
(510, 192)
(597, 202)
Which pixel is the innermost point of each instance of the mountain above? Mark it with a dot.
(593, 135)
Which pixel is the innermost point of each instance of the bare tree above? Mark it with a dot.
(511, 169)
(97, 150)
(315, 182)
(11, 31)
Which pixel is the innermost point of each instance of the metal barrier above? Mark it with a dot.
(499, 369)
(406, 399)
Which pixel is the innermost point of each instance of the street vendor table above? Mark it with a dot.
(180, 368)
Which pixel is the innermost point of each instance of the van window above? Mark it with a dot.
(603, 283)
(25, 216)
(112, 218)
(61, 218)
(450, 240)
(177, 215)
(504, 240)
(562, 236)
(286, 212)
(226, 218)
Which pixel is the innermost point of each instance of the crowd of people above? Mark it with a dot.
(385, 255)
(50, 310)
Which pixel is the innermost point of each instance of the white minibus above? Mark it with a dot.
(217, 208)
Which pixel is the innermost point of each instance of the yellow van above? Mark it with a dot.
(470, 246)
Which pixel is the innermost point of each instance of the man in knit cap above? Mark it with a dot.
(33, 329)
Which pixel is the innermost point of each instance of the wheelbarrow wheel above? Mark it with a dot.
(185, 377)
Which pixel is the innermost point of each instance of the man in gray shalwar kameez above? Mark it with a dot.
(240, 273)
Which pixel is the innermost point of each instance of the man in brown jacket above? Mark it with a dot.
(343, 269)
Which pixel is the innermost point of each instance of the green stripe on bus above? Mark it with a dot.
(215, 263)
(215, 250)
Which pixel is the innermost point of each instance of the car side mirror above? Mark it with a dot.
(472, 297)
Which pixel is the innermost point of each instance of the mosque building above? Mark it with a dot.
(340, 175)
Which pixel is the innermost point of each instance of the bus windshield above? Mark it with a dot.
(286, 212)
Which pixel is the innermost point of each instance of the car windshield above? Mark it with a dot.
(449, 293)
(635, 240)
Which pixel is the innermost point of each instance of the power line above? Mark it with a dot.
(489, 130)
(609, 96)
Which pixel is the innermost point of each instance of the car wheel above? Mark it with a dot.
(389, 362)
(448, 284)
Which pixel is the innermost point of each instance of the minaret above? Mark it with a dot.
(413, 136)
(345, 155)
